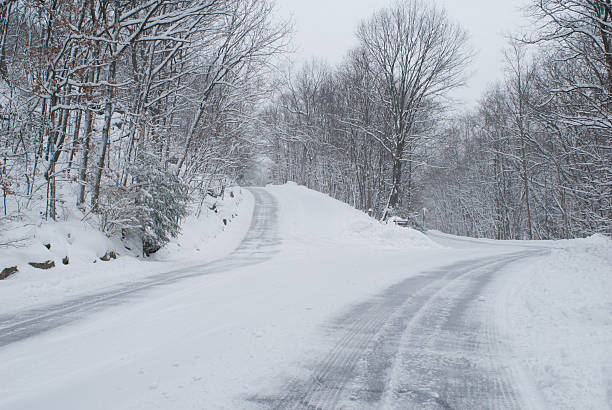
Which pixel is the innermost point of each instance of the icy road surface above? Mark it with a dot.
(318, 308)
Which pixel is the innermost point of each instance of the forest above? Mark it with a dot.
(130, 112)
(532, 161)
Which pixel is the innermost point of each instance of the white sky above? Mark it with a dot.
(325, 29)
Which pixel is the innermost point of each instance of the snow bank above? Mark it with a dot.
(202, 240)
(215, 233)
(73, 238)
(556, 314)
(311, 215)
(468, 242)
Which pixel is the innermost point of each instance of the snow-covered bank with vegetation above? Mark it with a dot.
(219, 228)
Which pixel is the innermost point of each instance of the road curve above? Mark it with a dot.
(416, 345)
(259, 244)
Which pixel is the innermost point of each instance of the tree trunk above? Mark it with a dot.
(108, 112)
(396, 181)
(84, 160)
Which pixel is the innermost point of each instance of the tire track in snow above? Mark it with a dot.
(397, 328)
(260, 243)
(447, 358)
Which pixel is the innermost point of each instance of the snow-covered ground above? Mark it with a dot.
(554, 319)
(201, 240)
(555, 316)
(218, 341)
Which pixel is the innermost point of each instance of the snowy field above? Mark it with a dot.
(224, 339)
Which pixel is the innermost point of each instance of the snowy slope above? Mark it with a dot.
(311, 215)
(202, 239)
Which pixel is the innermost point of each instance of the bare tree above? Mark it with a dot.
(248, 38)
(416, 55)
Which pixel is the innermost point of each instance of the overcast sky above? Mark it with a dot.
(325, 29)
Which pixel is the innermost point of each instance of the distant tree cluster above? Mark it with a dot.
(359, 131)
(127, 108)
(533, 161)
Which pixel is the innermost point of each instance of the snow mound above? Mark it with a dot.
(596, 245)
(310, 215)
(53, 241)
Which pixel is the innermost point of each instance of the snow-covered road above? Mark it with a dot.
(259, 244)
(318, 307)
(416, 345)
